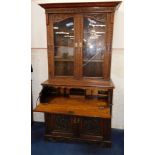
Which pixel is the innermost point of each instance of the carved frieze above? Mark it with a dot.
(98, 17)
(81, 10)
(60, 17)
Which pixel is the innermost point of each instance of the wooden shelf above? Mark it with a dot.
(62, 59)
(78, 107)
(91, 33)
(93, 61)
(70, 32)
(68, 46)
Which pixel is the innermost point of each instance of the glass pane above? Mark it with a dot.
(64, 47)
(93, 47)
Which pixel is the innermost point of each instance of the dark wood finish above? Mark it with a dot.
(78, 57)
(79, 52)
(83, 129)
(114, 4)
(87, 82)
(98, 7)
(50, 46)
(78, 107)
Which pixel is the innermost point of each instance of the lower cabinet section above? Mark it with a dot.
(91, 128)
(87, 129)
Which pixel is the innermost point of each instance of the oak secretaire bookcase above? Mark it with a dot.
(77, 97)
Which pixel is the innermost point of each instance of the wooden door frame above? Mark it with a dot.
(108, 52)
(78, 44)
(105, 63)
(52, 18)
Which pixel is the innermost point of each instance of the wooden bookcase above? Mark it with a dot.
(77, 97)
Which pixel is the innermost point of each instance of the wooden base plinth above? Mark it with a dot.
(102, 143)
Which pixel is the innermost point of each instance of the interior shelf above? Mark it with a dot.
(61, 59)
(67, 46)
(93, 60)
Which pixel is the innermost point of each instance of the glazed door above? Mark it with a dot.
(62, 54)
(77, 45)
(94, 45)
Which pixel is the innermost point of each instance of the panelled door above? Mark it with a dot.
(77, 45)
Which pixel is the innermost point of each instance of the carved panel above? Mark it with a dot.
(91, 126)
(98, 17)
(60, 17)
(81, 10)
(63, 123)
(48, 123)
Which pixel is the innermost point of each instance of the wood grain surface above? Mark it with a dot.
(78, 107)
(71, 82)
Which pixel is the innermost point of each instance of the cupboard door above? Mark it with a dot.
(91, 128)
(63, 43)
(48, 123)
(58, 125)
(94, 44)
(62, 123)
